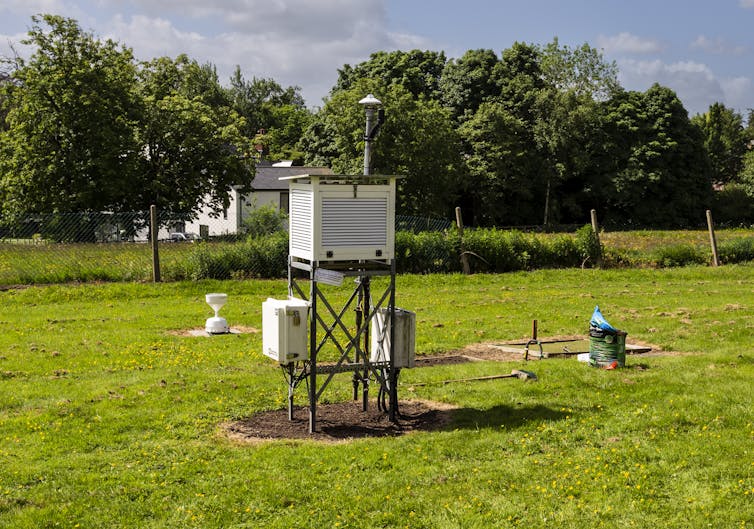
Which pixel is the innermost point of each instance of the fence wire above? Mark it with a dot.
(84, 247)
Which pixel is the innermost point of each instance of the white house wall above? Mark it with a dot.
(258, 199)
(225, 223)
(231, 222)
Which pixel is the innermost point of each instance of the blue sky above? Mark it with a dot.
(702, 49)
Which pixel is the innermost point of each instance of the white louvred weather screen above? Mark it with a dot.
(354, 222)
(301, 220)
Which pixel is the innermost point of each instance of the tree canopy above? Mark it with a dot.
(71, 117)
(532, 134)
(89, 129)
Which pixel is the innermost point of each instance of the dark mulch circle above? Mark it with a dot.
(341, 421)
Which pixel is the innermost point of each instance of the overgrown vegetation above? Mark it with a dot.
(110, 417)
(266, 255)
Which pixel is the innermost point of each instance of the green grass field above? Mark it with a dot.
(110, 417)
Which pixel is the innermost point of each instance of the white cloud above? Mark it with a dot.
(746, 4)
(295, 42)
(295, 47)
(694, 83)
(718, 46)
(32, 6)
(738, 92)
(628, 43)
(10, 46)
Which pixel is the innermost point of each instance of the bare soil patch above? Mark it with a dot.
(341, 421)
(200, 331)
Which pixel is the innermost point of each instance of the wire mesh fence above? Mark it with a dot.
(85, 247)
(70, 247)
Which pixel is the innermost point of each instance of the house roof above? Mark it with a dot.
(267, 177)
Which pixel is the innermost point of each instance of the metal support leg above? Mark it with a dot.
(291, 387)
(366, 309)
(393, 375)
(313, 356)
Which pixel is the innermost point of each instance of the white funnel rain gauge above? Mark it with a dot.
(216, 324)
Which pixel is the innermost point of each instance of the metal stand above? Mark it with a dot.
(351, 343)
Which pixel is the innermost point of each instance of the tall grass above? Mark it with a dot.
(486, 251)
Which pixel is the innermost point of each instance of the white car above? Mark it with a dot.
(184, 237)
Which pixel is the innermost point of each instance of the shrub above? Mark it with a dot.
(736, 250)
(426, 252)
(561, 252)
(679, 255)
(588, 245)
(261, 257)
(265, 220)
(488, 251)
(733, 205)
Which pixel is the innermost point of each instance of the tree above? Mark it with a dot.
(504, 182)
(89, 131)
(566, 128)
(658, 173)
(72, 110)
(417, 71)
(276, 117)
(192, 149)
(468, 82)
(725, 140)
(582, 71)
(747, 173)
(543, 161)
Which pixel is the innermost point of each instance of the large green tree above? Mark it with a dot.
(87, 129)
(725, 140)
(468, 82)
(192, 147)
(505, 183)
(582, 70)
(72, 110)
(544, 116)
(659, 168)
(275, 117)
(566, 132)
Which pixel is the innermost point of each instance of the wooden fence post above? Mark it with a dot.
(464, 257)
(596, 230)
(154, 230)
(712, 239)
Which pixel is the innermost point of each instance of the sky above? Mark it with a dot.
(702, 49)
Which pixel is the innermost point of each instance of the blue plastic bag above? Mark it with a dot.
(598, 321)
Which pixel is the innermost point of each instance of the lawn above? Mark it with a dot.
(111, 417)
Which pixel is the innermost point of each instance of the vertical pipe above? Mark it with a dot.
(154, 230)
(359, 315)
(712, 239)
(291, 373)
(367, 141)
